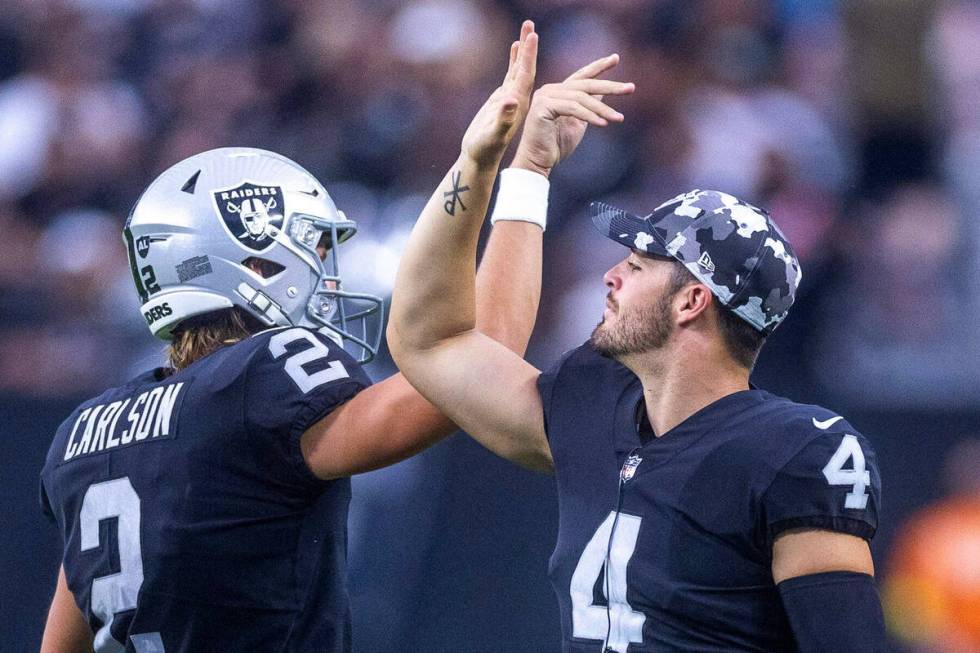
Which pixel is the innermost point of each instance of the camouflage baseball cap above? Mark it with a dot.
(732, 247)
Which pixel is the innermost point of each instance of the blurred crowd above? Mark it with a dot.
(856, 124)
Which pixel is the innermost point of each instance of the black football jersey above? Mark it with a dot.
(190, 520)
(665, 543)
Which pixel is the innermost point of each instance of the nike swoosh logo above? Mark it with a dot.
(823, 426)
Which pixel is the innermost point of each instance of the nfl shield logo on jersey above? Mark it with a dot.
(629, 467)
(250, 211)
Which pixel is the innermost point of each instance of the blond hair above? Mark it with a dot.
(196, 337)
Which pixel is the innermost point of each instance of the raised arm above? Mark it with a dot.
(390, 420)
(487, 389)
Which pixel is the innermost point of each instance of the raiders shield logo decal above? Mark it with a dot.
(251, 212)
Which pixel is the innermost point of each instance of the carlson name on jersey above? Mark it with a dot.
(190, 519)
(149, 414)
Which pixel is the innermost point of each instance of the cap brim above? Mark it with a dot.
(626, 229)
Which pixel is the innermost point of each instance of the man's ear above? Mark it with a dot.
(693, 301)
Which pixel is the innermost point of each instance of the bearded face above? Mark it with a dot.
(633, 329)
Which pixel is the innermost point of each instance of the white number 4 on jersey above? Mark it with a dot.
(857, 477)
(609, 553)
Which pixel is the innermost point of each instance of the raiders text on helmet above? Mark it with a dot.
(193, 233)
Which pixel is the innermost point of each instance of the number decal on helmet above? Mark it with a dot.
(150, 279)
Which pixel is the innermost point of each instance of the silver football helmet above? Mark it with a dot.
(199, 232)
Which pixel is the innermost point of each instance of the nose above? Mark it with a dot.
(612, 278)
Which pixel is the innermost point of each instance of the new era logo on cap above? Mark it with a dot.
(732, 247)
(706, 262)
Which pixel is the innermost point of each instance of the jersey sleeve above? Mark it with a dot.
(45, 502)
(554, 381)
(581, 379)
(546, 389)
(832, 483)
(299, 377)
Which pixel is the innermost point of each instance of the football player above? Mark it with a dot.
(697, 512)
(203, 505)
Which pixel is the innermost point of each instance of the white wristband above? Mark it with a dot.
(522, 196)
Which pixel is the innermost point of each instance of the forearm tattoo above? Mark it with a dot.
(455, 195)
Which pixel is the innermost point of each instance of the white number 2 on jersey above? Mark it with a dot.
(294, 364)
(857, 477)
(116, 592)
(621, 624)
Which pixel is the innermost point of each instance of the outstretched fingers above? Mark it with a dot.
(599, 86)
(595, 68)
(527, 27)
(565, 107)
(590, 102)
(583, 87)
(514, 48)
(527, 61)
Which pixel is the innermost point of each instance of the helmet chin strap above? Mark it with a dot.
(268, 310)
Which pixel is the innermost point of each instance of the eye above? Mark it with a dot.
(264, 268)
(633, 266)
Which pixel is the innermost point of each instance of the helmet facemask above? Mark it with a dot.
(331, 307)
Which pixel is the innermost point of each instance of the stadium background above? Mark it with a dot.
(856, 123)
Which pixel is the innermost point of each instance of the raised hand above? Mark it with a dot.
(560, 114)
(500, 117)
